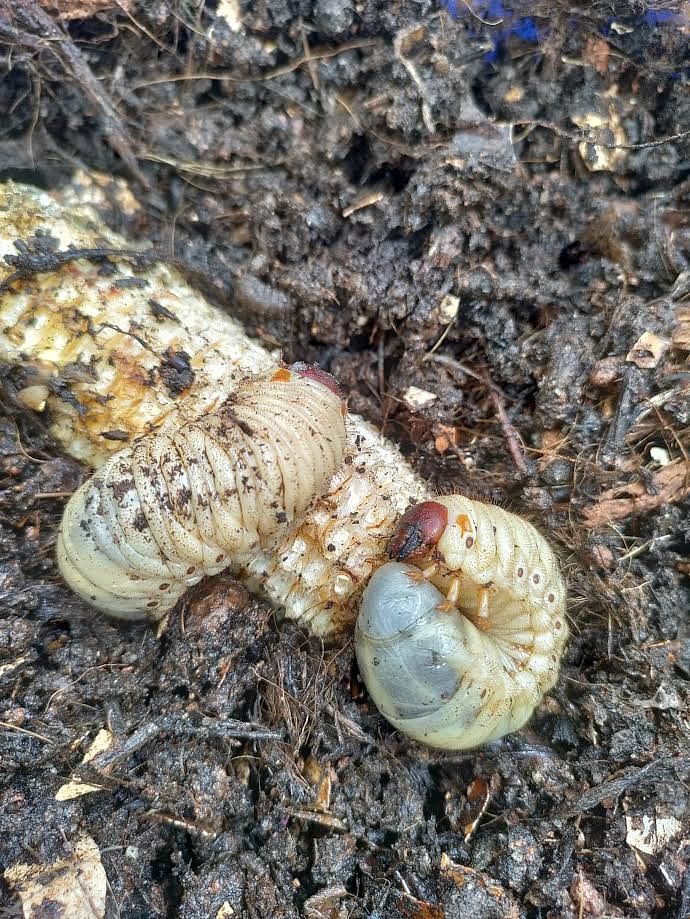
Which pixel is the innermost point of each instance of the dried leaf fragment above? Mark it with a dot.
(671, 483)
(445, 437)
(648, 351)
(82, 9)
(77, 787)
(416, 398)
(651, 833)
(73, 887)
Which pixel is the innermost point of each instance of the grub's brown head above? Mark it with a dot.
(314, 372)
(418, 531)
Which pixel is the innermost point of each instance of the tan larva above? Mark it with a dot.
(190, 500)
(92, 356)
(459, 650)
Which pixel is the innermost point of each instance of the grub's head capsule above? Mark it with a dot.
(314, 372)
(418, 531)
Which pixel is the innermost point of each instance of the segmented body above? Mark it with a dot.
(192, 499)
(96, 356)
(95, 351)
(459, 650)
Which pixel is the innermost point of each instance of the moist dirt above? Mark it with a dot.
(492, 209)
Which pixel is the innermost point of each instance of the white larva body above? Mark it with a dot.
(465, 657)
(193, 499)
(94, 354)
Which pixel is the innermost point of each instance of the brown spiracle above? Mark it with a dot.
(194, 498)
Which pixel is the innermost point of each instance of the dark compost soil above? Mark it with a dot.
(338, 173)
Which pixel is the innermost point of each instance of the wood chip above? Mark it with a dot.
(366, 201)
(445, 437)
(448, 308)
(681, 334)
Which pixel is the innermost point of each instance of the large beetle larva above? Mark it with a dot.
(92, 350)
(459, 651)
(191, 499)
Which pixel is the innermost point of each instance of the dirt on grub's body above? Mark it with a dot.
(344, 168)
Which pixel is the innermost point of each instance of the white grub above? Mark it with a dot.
(459, 649)
(106, 346)
(109, 346)
(190, 500)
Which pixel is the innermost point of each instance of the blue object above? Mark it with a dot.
(509, 25)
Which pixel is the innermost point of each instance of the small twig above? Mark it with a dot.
(411, 68)
(45, 495)
(196, 829)
(497, 397)
(380, 364)
(485, 22)
(227, 728)
(35, 25)
(314, 55)
(440, 340)
(207, 170)
(453, 364)
(13, 727)
(313, 72)
(509, 432)
(653, 771)
(579, 137)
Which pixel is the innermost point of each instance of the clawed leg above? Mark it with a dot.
(423, 574)
(480, 615)
(453, 592)
(452, 596)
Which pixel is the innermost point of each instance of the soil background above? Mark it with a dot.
(493, 208)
